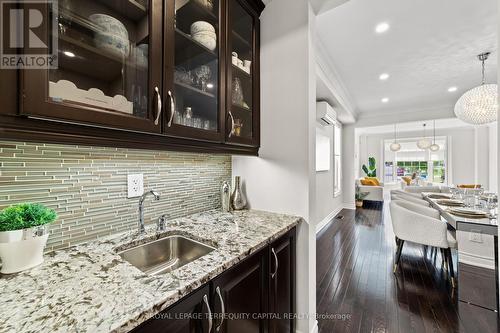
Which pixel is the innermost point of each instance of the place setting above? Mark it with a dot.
(450, 202)
(468, 212)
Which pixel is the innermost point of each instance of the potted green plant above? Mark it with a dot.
(359, 197)
(23, 235)
(371, 169)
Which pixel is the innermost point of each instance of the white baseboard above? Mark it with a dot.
(323, 223)
(315, 328)
(349, 205)
(475, 260)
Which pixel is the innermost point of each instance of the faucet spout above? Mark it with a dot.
(141, 227)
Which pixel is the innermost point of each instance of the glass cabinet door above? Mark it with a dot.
(242, 113)
(108, 72)
(194, 53)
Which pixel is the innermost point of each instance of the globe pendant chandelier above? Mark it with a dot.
(424, 143)
(479, 105)
(395, 146)
(434, 147)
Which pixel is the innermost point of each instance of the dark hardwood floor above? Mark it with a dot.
(358, 292)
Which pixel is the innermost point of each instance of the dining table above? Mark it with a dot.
(477, 285)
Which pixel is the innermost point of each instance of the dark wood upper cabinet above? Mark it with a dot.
(109, 72)
(193, 78)
(172, 74)
(242, 74)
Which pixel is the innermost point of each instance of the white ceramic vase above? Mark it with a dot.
(22, 249)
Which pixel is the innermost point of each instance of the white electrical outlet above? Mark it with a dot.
(475, 236)
(135, 184)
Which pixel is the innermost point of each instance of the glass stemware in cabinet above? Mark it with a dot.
(196, 62)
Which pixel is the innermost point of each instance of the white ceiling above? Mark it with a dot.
(430, 46)
(414, 126)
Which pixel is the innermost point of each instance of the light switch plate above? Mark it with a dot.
(135, 184)
(475, 236)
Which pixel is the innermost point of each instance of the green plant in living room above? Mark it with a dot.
(23, 235)
(359, 197)
(371, 169)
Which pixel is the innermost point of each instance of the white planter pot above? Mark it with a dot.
(22, 249)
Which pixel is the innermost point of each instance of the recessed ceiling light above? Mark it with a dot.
(382, 27)
(452, 89)
(385, 100)
(69, 54)
(383, 76)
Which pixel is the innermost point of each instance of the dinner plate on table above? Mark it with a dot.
(468, 212)
(439, 196)
(450, 202)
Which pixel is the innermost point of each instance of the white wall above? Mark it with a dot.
(493, 157)
(282, 179)
(350, 160)
(326, 205)
(469, 147)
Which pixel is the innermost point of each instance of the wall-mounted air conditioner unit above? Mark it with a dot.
(325, 114)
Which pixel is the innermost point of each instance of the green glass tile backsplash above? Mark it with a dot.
(87, 186)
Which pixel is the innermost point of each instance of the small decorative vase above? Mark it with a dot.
(238, 200)
(22, 249)
(359, 203)
(237, 92)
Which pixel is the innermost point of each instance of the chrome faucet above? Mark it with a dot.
(141, 209)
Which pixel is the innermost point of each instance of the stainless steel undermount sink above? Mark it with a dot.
(165, 255)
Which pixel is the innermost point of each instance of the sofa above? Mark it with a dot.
(420, 189)
(375, 193)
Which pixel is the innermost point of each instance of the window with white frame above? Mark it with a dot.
(337, 144)
(428, 165)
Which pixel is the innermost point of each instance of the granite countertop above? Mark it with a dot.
(89, 288)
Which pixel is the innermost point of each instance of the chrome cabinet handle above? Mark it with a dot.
(205, 299)
(217, 290)
(276, 262)
(172, 108)
(158, 107)
(232, 124)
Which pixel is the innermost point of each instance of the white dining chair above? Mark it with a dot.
(410, 194)
(411, 199)
(422, 225)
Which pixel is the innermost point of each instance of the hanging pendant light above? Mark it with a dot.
(424, 143)
(395, 146)
(434, 147)
(480, 104)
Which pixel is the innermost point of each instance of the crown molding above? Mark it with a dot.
(435, 112)
(327, 72)
(322, 6)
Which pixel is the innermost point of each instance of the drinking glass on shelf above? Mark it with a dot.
(202, 74)
(197, 122)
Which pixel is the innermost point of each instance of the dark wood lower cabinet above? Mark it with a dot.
(189, 315)
(282, 283)
(240, 296)
(255, 296)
